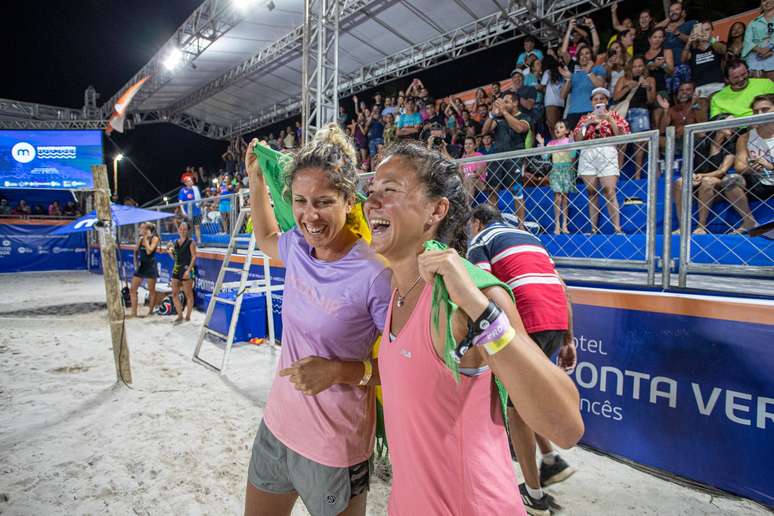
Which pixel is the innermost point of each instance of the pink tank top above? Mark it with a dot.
(448, 446)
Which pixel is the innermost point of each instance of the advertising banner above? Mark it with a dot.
(59, 160)
(690, 395)
(32, 247)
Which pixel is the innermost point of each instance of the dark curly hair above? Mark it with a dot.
(331, 151)
(441, 177)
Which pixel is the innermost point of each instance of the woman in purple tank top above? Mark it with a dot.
(317, 432)
(448, 445)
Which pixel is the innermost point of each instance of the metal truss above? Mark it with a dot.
(497, 28)
(284, 49)
(20, 124)
(207, 23)
(33, 111)
(320, 71)
(184, 120)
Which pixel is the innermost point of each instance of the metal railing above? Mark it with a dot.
(728, 201)
(579, 235)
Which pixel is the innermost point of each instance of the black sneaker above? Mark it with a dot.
(538, 506)
(555, 473)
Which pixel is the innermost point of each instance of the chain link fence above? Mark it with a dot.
(723, 186)
(591, 203)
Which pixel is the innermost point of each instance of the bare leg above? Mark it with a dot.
(261, 503)
(553, 115)
(357, 506)
(738, 199)
(133, 295)
(519, 205)
(189, 298)
(707, 192)
(639, 156)
(565, 213)
(677, 195)
(523, 440)
(593, 194)
(557, 213)
(176, 299)
(609, 187)
(544, 444)
(152, 295)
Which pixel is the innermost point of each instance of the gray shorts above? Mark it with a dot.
(275, 468)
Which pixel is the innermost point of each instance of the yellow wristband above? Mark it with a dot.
(497, 345)
(368, 370)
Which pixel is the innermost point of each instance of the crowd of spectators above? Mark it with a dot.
(23, 209)
(650, 74)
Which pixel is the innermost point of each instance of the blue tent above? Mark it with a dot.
(121, 215)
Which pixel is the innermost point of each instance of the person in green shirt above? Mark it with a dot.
(736, 96)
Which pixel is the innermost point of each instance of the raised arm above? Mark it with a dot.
(265, 224)
(617, 25)
(566, 41)
(542, 393)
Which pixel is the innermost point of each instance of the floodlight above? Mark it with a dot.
(173, 59)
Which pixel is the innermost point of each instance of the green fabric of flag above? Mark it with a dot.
(481, 279)
(274, 166)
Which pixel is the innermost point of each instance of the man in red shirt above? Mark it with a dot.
(519, 259)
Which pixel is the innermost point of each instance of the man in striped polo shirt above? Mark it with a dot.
(519, 259)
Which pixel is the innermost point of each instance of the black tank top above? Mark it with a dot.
(182, 254)
(658, 74)
(640, 98)
(145, 258)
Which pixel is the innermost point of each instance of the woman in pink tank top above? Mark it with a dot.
(448, 445)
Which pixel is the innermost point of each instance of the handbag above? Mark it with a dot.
(622, 108)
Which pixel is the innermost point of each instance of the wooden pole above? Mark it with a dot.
(110, 273)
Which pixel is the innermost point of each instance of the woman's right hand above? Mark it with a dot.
(251, 160)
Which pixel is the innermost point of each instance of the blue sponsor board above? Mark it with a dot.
(58, 160)
(31, 247)
(690, 395)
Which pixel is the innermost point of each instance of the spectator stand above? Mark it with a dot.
(721, 245)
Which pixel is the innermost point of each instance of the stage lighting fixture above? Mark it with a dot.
(173, 59)
(119, 157)
(242, 5)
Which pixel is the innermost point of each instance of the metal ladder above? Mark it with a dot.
(242, 286)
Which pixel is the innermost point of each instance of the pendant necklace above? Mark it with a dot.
(402, 299)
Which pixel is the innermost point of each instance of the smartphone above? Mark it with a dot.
(599, 109)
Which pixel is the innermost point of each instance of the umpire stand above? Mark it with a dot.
(242, 287)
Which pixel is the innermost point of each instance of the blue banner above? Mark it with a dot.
(31, 247)
(690, 395)
(59, 160)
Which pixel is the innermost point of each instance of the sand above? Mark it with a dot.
(73, 441)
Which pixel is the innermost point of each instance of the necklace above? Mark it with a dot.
(402, 299)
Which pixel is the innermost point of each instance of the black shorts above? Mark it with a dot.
(178, 274)
(504, 174)
(146, 271)
(756, 189)
(549, 341)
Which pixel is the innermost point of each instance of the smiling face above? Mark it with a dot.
(397, 209)
(656, 39)
(320, 211)
(584, 56)
(645, 19)
(737, 30)
(675, 11)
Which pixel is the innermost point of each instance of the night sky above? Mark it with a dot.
(55, 49)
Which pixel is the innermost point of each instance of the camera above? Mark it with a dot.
(437, 141)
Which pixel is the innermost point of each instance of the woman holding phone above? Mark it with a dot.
(598, 166)
(145, 266)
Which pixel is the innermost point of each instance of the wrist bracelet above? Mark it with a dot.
(490, 315)
(368, 370)
(498, 345)
(494, 331)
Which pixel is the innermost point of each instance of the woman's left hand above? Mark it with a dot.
(462, 291)
(311, 375)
